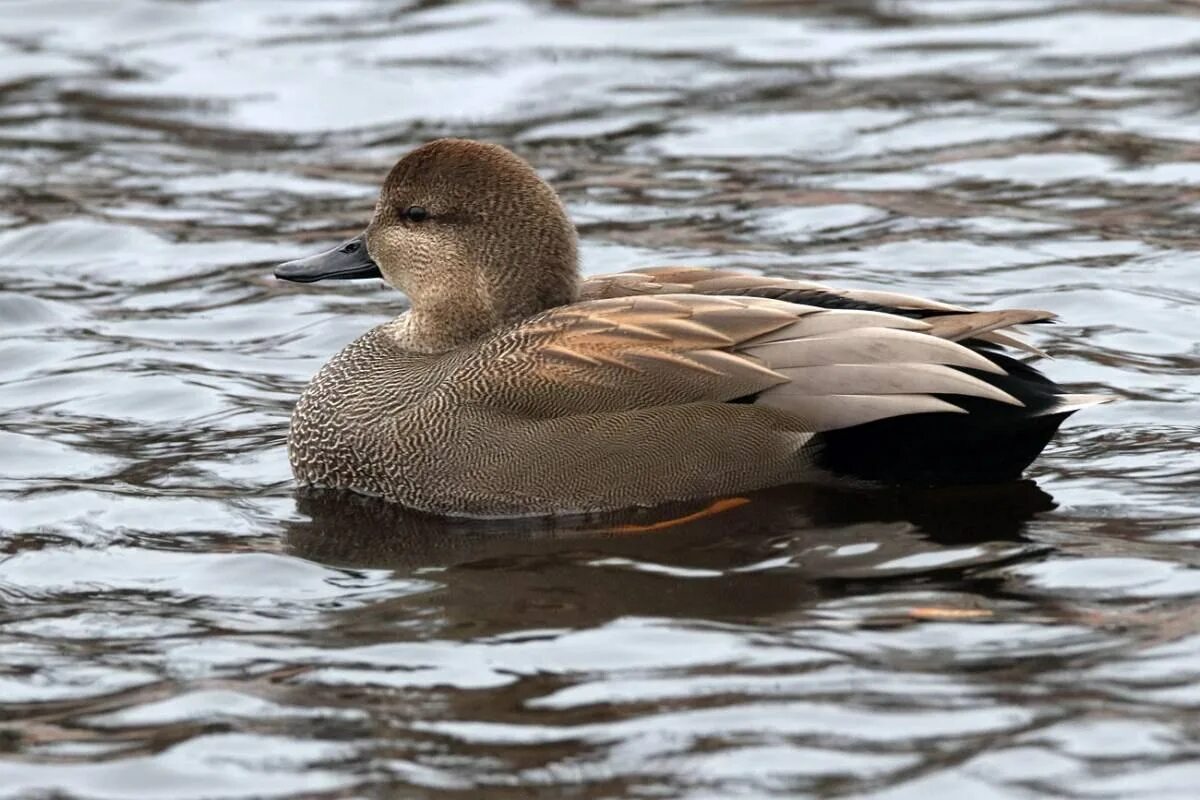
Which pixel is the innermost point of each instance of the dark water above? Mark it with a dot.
(176, 623)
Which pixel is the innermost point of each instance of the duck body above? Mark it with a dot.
(513, 387)
(484, 451)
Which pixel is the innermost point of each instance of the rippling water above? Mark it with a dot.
(176, 622)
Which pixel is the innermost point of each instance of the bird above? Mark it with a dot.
(513, 386)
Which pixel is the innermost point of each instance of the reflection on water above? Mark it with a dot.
(741, 558)
(177, 622)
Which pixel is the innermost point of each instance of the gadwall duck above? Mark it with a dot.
(512, 386)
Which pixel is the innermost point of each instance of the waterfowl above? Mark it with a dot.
(513, 386)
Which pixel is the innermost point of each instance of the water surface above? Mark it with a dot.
(177, 623)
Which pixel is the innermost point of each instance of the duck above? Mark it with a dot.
(513, 386)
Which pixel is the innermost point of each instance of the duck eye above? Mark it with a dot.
(416, 214)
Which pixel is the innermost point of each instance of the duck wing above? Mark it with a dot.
(826, 368)
(640, 398)
(700, 280)
(865, 431)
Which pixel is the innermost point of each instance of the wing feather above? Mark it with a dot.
(827, 368)
(830, 412)
(949, 321)
(623, 353)
(870, 345)
(879, 379)
(957, 327)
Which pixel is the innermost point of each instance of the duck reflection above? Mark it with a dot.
(732, 559)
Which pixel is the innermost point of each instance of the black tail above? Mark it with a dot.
(992, 442)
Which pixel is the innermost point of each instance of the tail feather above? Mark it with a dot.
(936, 449)
(991, 442)
(927, 397)
(1070, 403)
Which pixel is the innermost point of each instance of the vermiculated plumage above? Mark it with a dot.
(512, 386)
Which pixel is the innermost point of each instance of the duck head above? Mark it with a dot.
(470, 233)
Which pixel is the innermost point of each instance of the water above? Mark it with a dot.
(176, 623)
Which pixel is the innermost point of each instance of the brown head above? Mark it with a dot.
(470, 233)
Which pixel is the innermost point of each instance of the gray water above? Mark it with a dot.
(176, 623)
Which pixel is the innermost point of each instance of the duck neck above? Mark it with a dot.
(438, 325)
(524, 291)
(453, 314)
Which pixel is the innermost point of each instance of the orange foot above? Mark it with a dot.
(712, 509)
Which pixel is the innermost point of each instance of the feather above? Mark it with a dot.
(825, 321)
(834, 411)
(872, 379)
(963, 326)
(1073, 402)
(868, 346)
(1009, 339)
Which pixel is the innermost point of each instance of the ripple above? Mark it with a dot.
(230, 765)
(176, 623)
